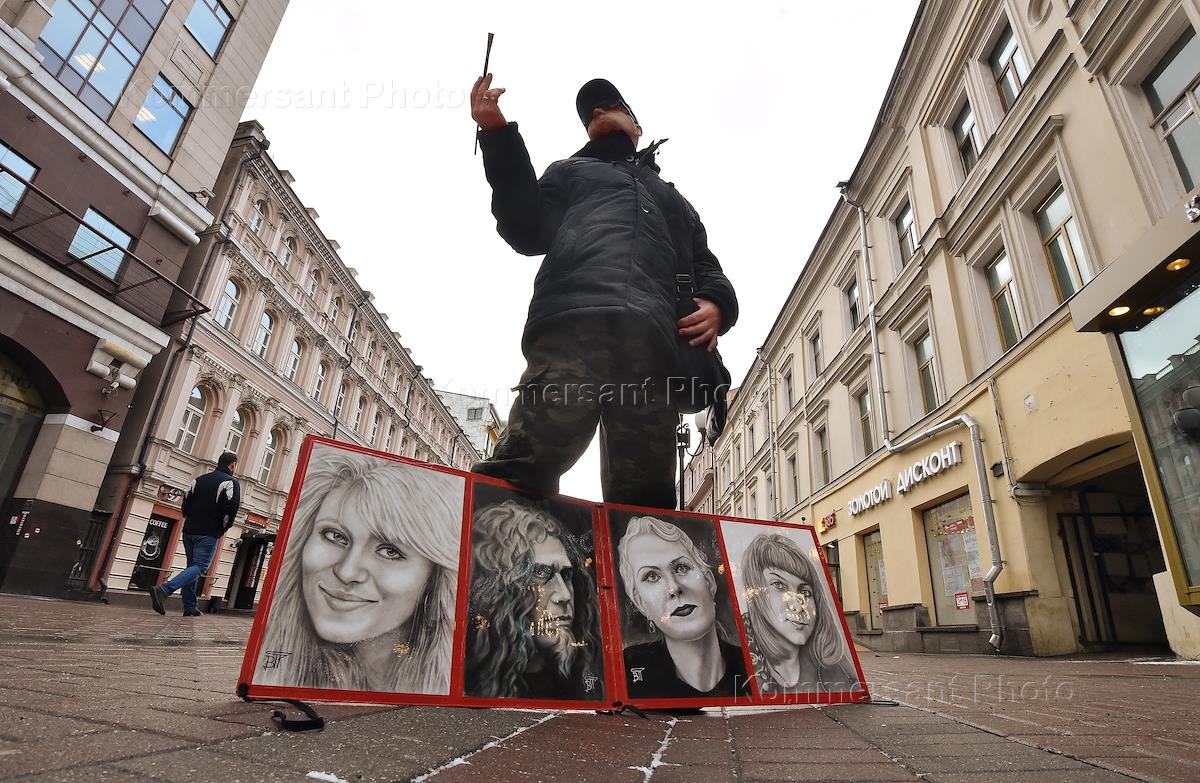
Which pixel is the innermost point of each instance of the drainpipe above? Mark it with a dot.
(223, 236)
(962, 420)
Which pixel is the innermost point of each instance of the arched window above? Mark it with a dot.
(371, 352)
(228, 305)
(375, 428)
(358, 414)
(258, 216)
(314, 282)
(341, 399)
(322, 372)
(263, 339)
(335, 313)
(193, 417)
(353, 330)
(237, 430)
(391, 438)
(289, 252)
(270, 449)
(294, 360)
(387, 370)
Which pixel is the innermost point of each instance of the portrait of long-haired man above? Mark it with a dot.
(533, 618)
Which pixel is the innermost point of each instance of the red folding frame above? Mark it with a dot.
(607, 586)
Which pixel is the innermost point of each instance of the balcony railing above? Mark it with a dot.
(46, 228)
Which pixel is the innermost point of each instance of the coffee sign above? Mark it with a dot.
(931, 465)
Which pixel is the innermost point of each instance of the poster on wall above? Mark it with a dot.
(395, 581)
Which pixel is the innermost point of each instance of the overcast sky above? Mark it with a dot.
(767, 105)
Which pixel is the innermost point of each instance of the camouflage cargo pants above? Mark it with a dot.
(595, 372)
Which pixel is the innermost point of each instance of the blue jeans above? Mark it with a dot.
(200, 551)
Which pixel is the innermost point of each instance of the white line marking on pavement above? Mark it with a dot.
(488, 746)
(656, 760)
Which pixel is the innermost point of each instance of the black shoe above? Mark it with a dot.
(156, 599)
(191, 612)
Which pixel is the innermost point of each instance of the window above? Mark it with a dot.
(294, 360)
(1171, 91)
(341, 399)
(386, 372)
(371, 352)
(753, 505)
(13, 179)
(725, 473)
(789, 390)
(1004, 302)
(966, 137)
(270, 449)
(833, 562)
(862, 402)
(1008, 66)
(258, 216)
(93, 48)
(821, 447)
(770, 496)
(1063, 246)
(375, 428)
(953, 559)
(750, 440)
(335, 312)
(228, 305)
(262, 340)
(209, 22)
(193, 417)
(737, 458)
(474, 414)
(358, 414)
(923, 347)
(289, 252)
(353, 330)
(853, 306)
(814, 353)
(877, 593)
(391, 438)
(793, 479)
(906, 233)
(163, 114)
(237, 430)
(314, 282)
(322, 372)
(100, 244)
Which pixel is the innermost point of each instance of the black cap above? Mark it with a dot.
(226, 459)
(598, 92)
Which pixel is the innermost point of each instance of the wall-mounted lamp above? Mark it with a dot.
(105, 417)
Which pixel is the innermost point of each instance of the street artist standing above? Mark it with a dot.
(601, 336)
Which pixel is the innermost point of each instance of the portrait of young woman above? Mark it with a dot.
(677, 627)
(366, 595)
(793, 632)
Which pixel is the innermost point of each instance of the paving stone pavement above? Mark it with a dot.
(90, 692)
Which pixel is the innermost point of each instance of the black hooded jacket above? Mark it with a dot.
(610, 229)
(211, 503)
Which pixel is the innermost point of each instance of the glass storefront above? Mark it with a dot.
(953, 560)
(1163, 359)
(876, 578)
(21, 413)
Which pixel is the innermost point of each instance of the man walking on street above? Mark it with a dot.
(209, 507)
(602, 332)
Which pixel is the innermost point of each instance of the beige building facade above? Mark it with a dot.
(924, 397)
(114, 122)
(292, 345)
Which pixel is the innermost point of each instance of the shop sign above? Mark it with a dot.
(827, 522)
(931, 465)
(169, 494)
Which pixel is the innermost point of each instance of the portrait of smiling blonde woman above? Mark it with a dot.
(366, 594)
(671, 584)
(795, 640)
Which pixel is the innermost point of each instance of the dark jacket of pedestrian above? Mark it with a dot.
(611, 228)
(211, 503)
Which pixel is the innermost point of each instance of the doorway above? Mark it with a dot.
(244, 579)
(1113, 552)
